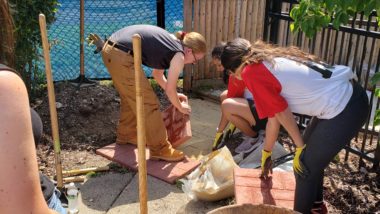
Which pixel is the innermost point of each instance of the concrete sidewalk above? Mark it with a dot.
(118, 193)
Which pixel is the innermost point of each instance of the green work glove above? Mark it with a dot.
(218, 139)
(298, 167)
(230, 131)
(266, 164)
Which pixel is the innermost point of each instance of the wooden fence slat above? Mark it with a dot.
(243, 18)
(226, 18)
(187, 16)
(260, 20)
(214, 33)
(254, 20)
(203, 32)
(231, 20)
(220, 14)
(248, 27)
(208, 17)
(196, 28)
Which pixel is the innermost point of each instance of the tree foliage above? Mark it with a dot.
(27, 34)
(310, 16)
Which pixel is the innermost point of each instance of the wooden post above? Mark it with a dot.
(141, 138)
(52, 107)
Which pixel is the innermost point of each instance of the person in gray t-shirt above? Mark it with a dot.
(160, 50)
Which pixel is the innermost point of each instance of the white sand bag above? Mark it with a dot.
(213, 179)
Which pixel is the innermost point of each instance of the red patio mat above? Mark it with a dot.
(277, 190)
(126, 155)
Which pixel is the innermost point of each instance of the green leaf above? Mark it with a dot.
(376, 119)
(375, 79)
(330, 5)
(377, 92)
(292, 27)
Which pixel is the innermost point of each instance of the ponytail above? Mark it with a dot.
(180, 35)
(192, 40)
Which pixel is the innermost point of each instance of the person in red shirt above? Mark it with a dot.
(286, 80)
(236, 102)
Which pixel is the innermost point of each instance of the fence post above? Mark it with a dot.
(161, 13)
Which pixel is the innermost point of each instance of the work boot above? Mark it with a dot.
(124, 140)
(168, 153)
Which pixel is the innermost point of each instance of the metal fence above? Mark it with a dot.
(356, 45)
(102, 17)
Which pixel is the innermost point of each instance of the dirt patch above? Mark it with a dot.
(88, 119)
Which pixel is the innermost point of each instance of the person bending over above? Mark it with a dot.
(237, 107)
(285, 80)
(160, 50)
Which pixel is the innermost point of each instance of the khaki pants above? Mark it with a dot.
(121, 67)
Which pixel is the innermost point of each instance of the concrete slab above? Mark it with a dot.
(163, 198)
(98, 194)
(204, 120)
(118, 193)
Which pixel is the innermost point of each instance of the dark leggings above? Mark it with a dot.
(260, 123)
(324, 139)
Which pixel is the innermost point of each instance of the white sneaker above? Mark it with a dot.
(249, 144)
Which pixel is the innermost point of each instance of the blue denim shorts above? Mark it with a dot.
(55, 204)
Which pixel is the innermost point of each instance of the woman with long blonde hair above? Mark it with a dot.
(287, 80)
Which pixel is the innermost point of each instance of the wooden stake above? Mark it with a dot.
(84, 171)
(51, 96)
(74, 179)
(141, 138)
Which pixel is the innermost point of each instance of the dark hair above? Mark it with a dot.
(218, 49)
(226, 76)
(234, 52)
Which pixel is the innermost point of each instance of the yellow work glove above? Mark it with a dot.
(230, 131)
(266, 164)
(298, 167)
(218, 139)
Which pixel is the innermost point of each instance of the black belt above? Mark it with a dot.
(120, 47)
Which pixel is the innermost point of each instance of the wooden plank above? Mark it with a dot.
(197, 29)
(231, 20)
(214, 32)
(202, 25)
(187, 16)
(260, 20)
(243, 18)
(219, 35)
(248, 26)
(226, 18)
(208, 37)
(254, 20)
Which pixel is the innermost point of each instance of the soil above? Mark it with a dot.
(87, 121)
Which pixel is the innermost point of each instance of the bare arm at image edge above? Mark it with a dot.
(20, 190)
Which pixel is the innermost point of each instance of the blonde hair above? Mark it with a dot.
(260, 51)
(193, 40)
(240, 52)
